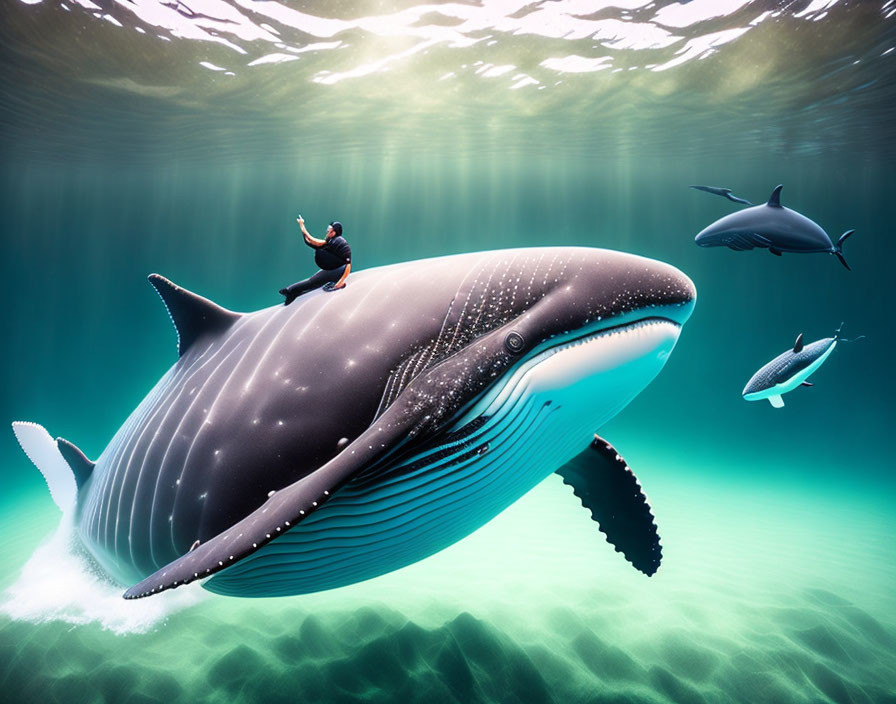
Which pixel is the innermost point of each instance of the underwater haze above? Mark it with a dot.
(184, 137)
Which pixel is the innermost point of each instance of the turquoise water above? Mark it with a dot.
(124, 155)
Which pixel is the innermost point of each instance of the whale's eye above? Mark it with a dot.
(514, 342)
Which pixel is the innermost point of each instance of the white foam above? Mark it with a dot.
(57, 584)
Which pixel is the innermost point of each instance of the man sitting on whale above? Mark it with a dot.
(332, 254)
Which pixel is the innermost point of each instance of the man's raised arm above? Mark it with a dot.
(309, 239)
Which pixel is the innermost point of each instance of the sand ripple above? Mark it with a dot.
(829, 650)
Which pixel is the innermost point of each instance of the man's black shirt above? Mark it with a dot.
(334, 254)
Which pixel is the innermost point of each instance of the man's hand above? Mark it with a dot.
(332, 287)
(311, 241)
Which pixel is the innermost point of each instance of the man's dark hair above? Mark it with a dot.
(337, 227)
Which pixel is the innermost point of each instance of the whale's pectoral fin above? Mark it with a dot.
(278, 514)
(607, 487)
(776, 401)
(283, 509)
(775, 251)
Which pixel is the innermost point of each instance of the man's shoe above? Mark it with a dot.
(287, 295)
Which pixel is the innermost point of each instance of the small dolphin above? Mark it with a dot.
(790, 370)
(724, 192)
(773, 227)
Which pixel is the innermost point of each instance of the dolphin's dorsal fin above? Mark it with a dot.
(81, 466)
(774, 200)
(798, 345)
(192, 315)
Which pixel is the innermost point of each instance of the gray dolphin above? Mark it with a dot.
(298, 449)
(724, 192)
(790, 369)
(773, 227)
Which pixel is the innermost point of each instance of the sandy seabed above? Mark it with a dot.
(760, 599)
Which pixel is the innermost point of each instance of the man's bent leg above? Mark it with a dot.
(312, 282)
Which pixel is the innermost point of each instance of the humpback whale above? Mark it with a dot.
(773, 227)
(790, 369)
(292, 450)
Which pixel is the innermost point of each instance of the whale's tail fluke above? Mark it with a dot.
(64, 466)
(838, 248)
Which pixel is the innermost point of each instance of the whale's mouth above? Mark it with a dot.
(606, 365)
(602, 330)
(600, 334)
(605, 350)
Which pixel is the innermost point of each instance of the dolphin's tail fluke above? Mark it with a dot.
(838, 248)
(64, 466)
(839, 338)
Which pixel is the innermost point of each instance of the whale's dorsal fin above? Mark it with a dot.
(81, 466)
(192, 315)
(798, 345)
(774, 200)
